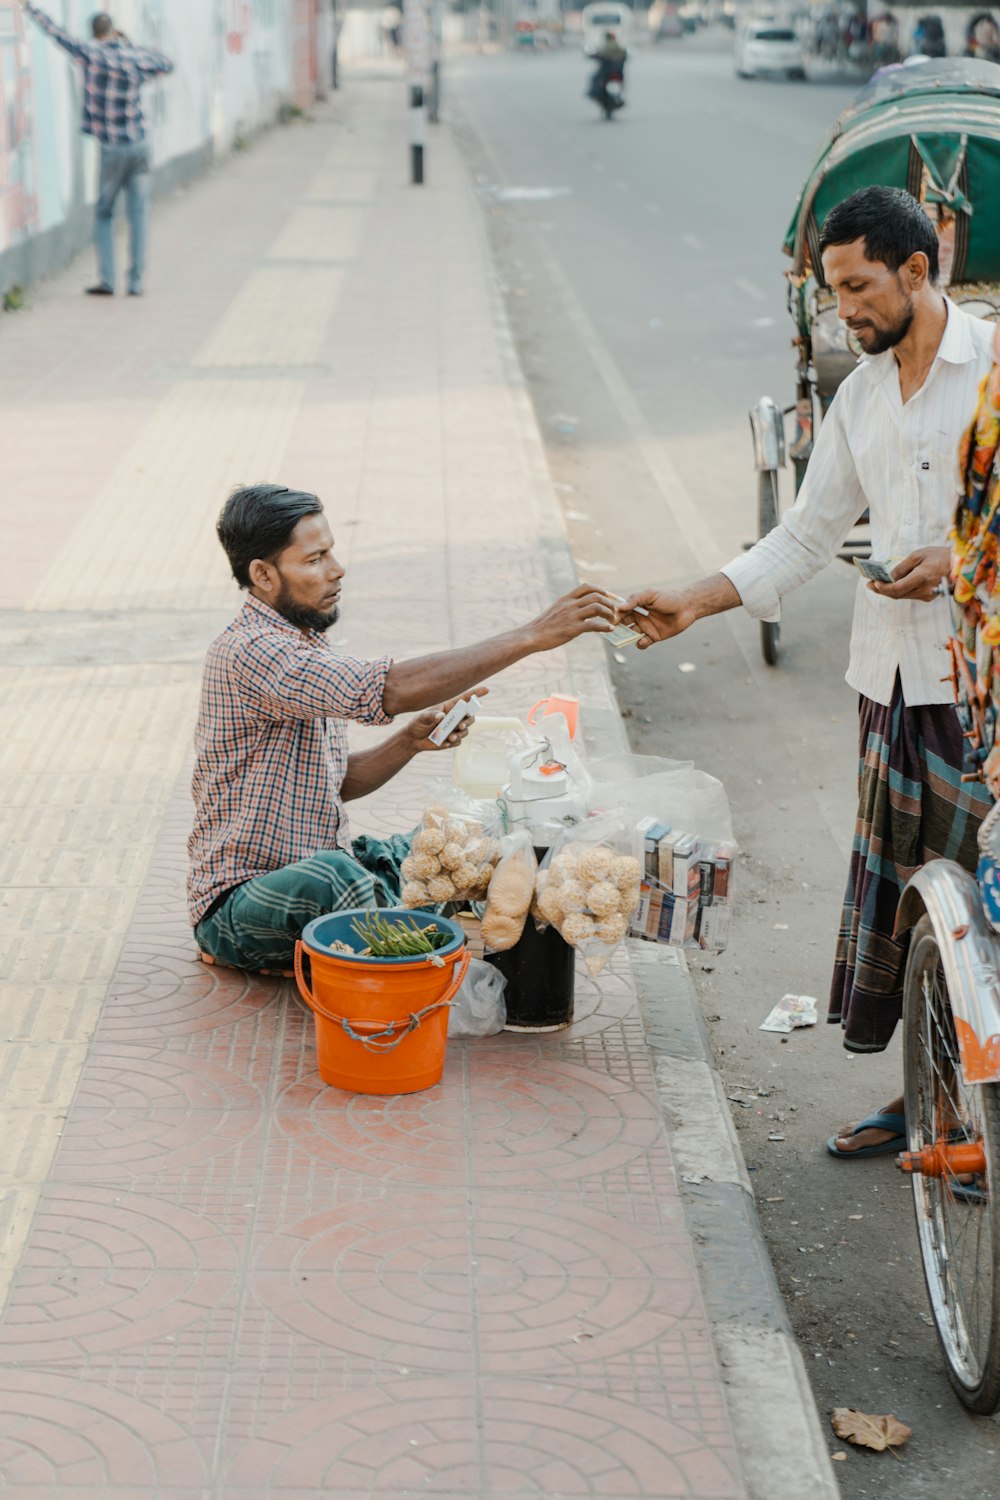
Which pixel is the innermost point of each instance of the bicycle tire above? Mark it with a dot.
(959, 1241)
(767, 520)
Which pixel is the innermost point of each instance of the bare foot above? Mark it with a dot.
(848, 1143)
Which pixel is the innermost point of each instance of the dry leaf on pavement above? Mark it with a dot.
(866, 1431)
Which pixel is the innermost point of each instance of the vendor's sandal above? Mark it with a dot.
(216, 963)
(882, 1121)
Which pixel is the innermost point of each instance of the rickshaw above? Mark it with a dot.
(933, 128)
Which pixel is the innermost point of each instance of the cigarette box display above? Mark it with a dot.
(685, 894)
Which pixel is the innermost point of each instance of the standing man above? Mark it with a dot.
(889, 444)
(113, 74)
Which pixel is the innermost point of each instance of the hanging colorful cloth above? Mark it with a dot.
(975, 601)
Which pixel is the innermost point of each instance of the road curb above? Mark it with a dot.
(776, 1423)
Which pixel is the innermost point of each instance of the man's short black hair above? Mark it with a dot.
(101, 25)
(258, 520)
(889, 220)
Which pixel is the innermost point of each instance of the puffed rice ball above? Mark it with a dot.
(415, 893)
(604, 898)
(428, 841)
(630, 899)
(406, 868)
(436, 816)
(452, 854)
(577, 927)
(550, 907)
(573, 895)
(473, 830)
(440, 888)
(624, 872)
(455, 831)
(483, 878)
(595, 862)
(612, 930)
(421, 867)
(465, 877)
(597, 961)
(482, 851)
(541, 881)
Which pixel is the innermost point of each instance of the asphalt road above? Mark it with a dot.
(643, 274)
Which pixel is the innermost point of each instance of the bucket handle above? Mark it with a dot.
(386, 1040)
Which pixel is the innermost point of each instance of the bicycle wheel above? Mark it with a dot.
(767, 520)
(948, 1119)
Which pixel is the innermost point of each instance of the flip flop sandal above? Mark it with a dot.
(881, 1121)
(215, 963)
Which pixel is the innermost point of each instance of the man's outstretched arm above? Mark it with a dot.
(414, 685)
(76, 49)
(669, 612)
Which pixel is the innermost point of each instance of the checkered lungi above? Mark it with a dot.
(913, 806)
(256, 926)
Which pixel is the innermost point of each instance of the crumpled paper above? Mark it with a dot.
(791, 1012)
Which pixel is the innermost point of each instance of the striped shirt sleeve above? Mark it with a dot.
(281, 682)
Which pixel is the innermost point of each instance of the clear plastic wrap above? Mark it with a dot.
(479, 1008)
(454, 850)
(510, 894)
(589, 886)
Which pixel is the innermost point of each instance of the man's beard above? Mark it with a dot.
(887, 338)
(301, 615)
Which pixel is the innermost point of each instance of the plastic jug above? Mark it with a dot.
(482, 761)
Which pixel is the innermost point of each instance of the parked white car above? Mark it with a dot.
(769, 47)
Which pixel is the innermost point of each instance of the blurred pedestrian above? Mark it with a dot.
(888, 445)
(392, 28)
(113, 74)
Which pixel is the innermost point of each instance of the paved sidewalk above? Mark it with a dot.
(221, 1278)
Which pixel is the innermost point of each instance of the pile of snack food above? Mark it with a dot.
(452, 859)
(589, 893)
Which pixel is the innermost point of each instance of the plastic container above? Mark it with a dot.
(481, 765)
(381, 1023)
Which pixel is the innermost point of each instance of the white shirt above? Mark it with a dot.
(901, 463)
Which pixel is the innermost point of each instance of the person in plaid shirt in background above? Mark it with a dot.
(271, 845)
(113, 74)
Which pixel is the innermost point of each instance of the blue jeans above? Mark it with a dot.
(125, 167)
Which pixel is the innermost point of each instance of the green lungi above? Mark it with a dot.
(257, 925)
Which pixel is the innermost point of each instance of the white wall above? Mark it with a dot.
(235, 62)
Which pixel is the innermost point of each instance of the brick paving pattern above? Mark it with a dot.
(225, 1279)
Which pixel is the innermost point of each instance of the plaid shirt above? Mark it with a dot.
(113, 73)
(272, 750)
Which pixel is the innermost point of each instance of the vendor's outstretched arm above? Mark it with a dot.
(416, 684)
(668, 612)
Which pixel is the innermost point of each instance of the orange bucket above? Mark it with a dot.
(381, 1024)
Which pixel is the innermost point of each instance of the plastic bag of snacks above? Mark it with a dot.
(588, 886)
(511, 893)
(453, 851)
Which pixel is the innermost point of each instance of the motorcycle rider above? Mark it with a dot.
(610, 59)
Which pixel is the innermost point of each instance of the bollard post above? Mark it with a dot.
(416, 134)
(417, 44)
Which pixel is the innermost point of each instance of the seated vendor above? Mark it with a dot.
(271, 846)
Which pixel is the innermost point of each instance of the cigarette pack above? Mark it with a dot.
(652, 831)
(464, 709)
(713, 927)
(687, 873)
(665, 859)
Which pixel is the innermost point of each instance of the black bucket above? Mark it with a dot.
(540, 971)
